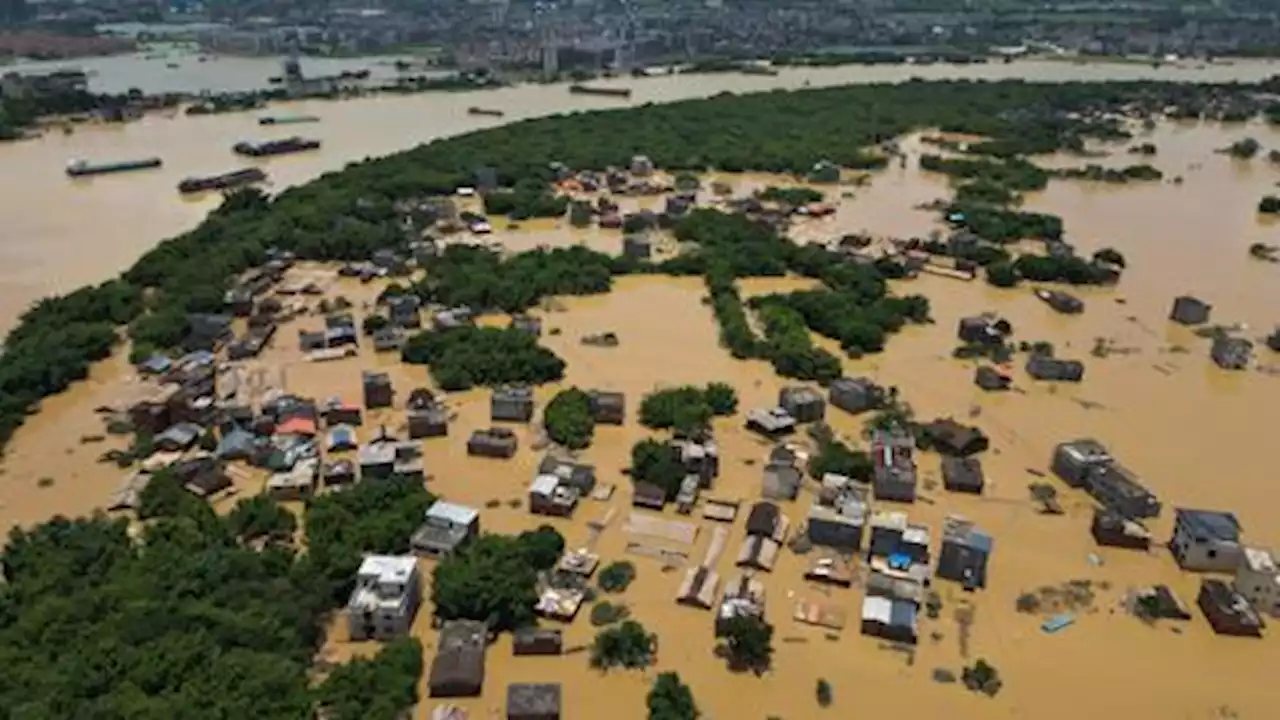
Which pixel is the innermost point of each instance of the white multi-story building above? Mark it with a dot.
(386, 597)
(1258, 580)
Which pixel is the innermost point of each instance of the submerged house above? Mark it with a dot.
(608, 408)
(894, 465)
(511, 404)
(805, 404)
(445, 528)
(496, 442)
(855, 395)
(949, 437)
(385, 599)
(1228, 612)
(1111, 529)
(889, 618)
(458, 667)
(378, 392)
(1258, 580)
(1231, 353)
(963, 474)
(1206, 541)
(533, 701)
(771, 423)
(1188, 310)
(965, 553)
(1044, 367)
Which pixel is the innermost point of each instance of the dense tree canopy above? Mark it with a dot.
(671, 699)
(687, 409)
(568, 419)
(748, 643)
(377, 688)
(657, 463)
(462, 358)
(491, 580)
(627, 645)
(479, 278)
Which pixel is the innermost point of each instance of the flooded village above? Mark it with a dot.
(1040, 486)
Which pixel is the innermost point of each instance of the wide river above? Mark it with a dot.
(59, 234)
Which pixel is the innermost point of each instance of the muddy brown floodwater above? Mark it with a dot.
(1191, 431)
(58, 234)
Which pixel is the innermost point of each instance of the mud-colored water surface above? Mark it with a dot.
(59, 234)
(1196, 435)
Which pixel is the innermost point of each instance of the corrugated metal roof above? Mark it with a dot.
(453, 513)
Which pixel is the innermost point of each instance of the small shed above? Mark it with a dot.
(805, 404)
(648, 495)
(949, 437)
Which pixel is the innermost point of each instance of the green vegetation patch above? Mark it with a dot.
(480, 278)
(657, 463)
(462, 358)
(687, 409)
(627, 645)
(494, 579)
(671, 699)
(568, 419)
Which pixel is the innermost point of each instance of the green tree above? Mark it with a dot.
(383, 687)
(748, 643)
(627, 645)
(824, 693)
(462, 358)
(568, 419)
(671, 699)
(1269, 205)
(835, 457)
(490, 580)
(657, 463)
(1002, 275)
(542, 547)
(617, 576)
(261, 517)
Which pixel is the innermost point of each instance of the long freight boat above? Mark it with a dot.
(577, 89)
(275, 147)
(84, 168)
(287, 119)
(485, 111)
(225, 181)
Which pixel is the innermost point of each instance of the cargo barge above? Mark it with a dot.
(606, 91)
(275, 147)
(287, 119)
(485, 112)
(84, 168)
(226, 181)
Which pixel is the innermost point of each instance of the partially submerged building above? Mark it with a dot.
(1111, 529)
(948, 437)
(1231, 353)
(446, 527)
(385, 599)
(743, 597)
(537, 641)
(698, 589)
(1228, 612)
(427, 422)
(987, 329)
(805, 404)
(512, 403)
(1086, 463)
(963, 474)
(1044, 367)
(608, 407)
(889, 618)
(1206, 541)
(378, 392)
(771, 423)
(892, 455)
(458, 667)
(1188, 310)
(781, 479)
(990, 379)
(533, 701)
(494, 442)
(964, 554)
(550, 495)
(578, 475)
(855, 395)
(1258, 580)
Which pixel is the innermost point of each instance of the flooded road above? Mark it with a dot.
(1191, 431)
(60, 234)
